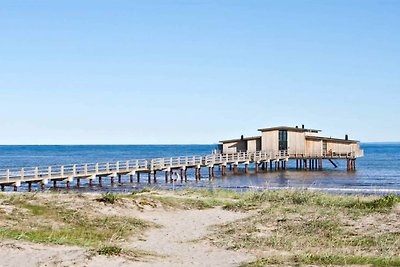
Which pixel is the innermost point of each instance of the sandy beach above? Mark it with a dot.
(196, 228)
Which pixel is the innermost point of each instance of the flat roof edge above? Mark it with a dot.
(240, 139)
(289, 129)
(332, 139)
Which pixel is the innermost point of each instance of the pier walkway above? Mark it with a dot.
(74, 173)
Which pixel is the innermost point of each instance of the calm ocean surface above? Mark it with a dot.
(377, 171)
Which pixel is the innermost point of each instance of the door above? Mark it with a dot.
(325, 147)
(283, 141)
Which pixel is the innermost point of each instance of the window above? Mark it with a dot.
(283, 140)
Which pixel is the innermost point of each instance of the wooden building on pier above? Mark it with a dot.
(296, 143)
(248, 144)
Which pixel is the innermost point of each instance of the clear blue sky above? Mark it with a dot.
(141, 72)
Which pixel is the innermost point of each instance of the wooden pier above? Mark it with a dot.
(74, 174)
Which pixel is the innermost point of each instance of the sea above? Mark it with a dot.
(378, 172)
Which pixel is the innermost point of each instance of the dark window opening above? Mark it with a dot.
(283, 140)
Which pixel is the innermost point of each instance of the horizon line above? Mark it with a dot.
(165, 144)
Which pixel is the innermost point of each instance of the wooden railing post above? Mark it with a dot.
(22, 173)
(127, 165)
(117, 165)
(86, 168)
(74, 169)
(96, 168)
(8, 175)
(62, 171)
(49, 172)
(36, 172)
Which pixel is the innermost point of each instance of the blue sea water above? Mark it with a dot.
(378, 170)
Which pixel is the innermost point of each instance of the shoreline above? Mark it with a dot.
(132, 188)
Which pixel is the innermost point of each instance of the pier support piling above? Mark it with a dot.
(223, 170)
(235, 169)
(351, 165)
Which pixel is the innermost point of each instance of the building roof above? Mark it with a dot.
(240, 139)
(291, 129)
(329, 139)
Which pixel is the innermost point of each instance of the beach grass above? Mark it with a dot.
(33, 219)
(108, 197)
(325, 260)
(282, 227)
(315, 228)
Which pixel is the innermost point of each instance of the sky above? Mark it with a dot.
(196, 72)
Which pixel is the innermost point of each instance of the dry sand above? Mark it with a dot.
(179, 238)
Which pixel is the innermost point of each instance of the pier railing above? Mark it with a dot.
(158, 164)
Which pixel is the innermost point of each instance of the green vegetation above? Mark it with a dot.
(380, 204)
(189, 203)
(112, 250)
(317, 228)
(109, 198)
(215, 193)
(185, 199)
(144, 190)
(109, 251)
(355, 204)
(326, 260)
(50, 222)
